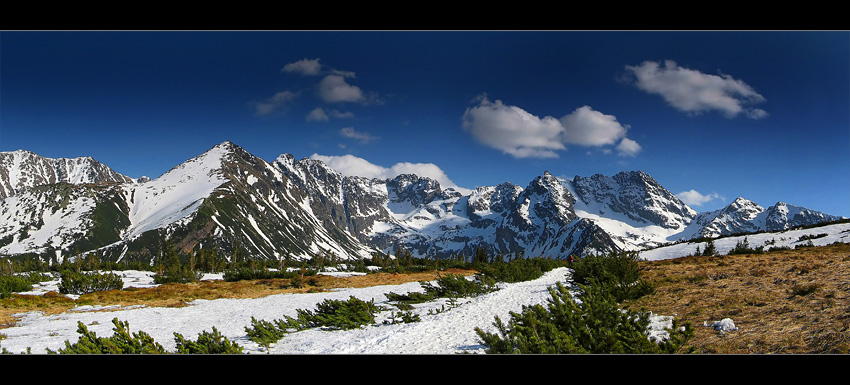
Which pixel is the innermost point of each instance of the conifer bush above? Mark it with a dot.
(618, 273)
(264, 333)
(121, 342)
(336, 315)
(518, 270)
(594, 325)
(457, 285)
(207, 343)
(13, 283)
(72, 282)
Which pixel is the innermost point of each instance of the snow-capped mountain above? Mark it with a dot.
(226, 198)
(20, 170)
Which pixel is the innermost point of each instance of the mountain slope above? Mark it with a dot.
(20, 170)
(227, 199)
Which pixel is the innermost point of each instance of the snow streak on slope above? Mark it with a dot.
(21, 170)
(602, 202)
(176, 194)
(45, 217)
(822, 235)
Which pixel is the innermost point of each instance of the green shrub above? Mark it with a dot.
(72, 282)
(247, 273)
(334, 314)
(594, 326)
(264, 333)
(618, 273)
(207, 343)
(743, 247)
(121, 342)
(409, 298)
(179, 274)
(13, 283)
(518, 270)
(456, 285)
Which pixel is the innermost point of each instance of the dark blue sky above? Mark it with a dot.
(763, 115)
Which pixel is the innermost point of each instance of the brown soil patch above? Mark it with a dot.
(793, 301)
(177, 295)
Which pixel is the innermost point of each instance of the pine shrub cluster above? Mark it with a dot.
(12, 283)
(72, 282)
(331, 314)
(457, 285)
(593, 325)
(518, 270)
(207, 343)
(247, 273)
(123, 342)
(743, 247)
(617, 273)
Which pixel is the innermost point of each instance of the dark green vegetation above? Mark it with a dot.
(595, 324)
(73, 282)
(592, 321)
(123, 342)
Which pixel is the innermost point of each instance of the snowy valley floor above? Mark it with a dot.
(438, 332)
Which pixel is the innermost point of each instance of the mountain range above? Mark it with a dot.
(227, 198)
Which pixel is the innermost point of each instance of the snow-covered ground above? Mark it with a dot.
(440, 331)
(790, 238)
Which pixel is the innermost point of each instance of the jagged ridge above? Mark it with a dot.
(227, 198)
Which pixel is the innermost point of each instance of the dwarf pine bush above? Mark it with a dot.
(73, 282)
(457, 285)
(207, 343)
(618, 273)
(123, 342)
(593, 325)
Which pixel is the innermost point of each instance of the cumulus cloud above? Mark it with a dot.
(318, 114)
(363, 137)
(695, 92)
(334, 89)
(588, 127)
(275, 103)
(321, 115)
(628, 147)
(694, 198)
(516, 132)
(306, 67)
(350, 165)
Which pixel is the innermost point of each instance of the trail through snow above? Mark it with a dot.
(450, 331)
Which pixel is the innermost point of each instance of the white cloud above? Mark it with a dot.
(587, 127)
(350, 165)
(306, 67)
(318, 114)
(628, 147)
(523, 135)
(513, 130)
(334, 89)
(695, 92)
(274, 103)
(694, 198)
(363, 137)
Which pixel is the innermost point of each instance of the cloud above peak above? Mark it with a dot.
(517, 132)
(695, 198)
(695, 92)
(350, 165)
(306, 67)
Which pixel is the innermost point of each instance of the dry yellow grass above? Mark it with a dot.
(176, 295)
(793, 301)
